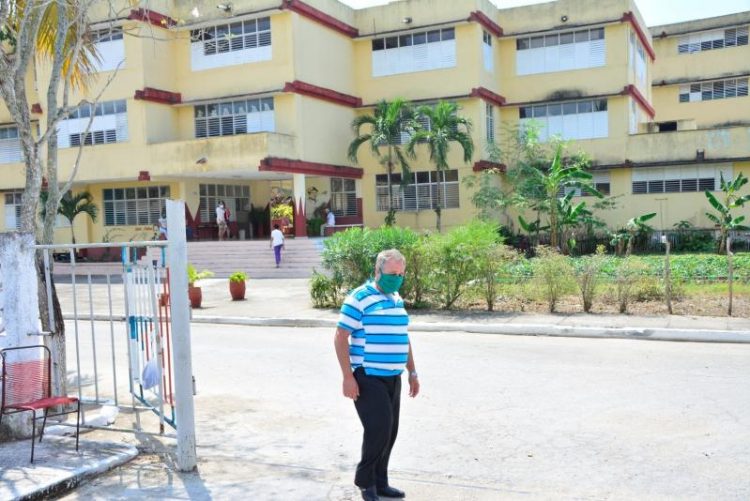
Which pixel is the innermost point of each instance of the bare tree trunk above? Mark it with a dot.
(730, 275)
(668, 279)
(439, 207)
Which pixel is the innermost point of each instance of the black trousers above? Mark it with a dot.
(378, 407)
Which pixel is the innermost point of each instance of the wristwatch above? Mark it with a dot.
(413, 374)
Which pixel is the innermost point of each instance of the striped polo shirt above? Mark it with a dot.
(378, 325)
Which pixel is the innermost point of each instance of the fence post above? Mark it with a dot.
(730, 273)
(180, 314)
(667, 275)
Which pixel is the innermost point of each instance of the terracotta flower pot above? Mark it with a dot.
(237, 290)
(195, 295)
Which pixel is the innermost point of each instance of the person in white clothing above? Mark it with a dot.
(221, 220)
(330, 221)
(163, 226)
(277, 243)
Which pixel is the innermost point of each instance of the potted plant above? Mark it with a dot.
(194, 293)
(237, 285)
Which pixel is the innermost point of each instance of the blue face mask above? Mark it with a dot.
(389, 283)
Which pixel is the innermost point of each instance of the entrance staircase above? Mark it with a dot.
(254, 257)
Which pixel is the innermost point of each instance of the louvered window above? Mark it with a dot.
(229, 118)
(10, 146)
(134, 206)
(710, 40)
(109, 124)
(571, 50)
(235, 197)
(487, 56)
(678, 179)
(229, 44)
(111, 48)
(489, 112)
(13, 210)
(569, 120)
(410, 52)
(708, 91)
(343, 196)
(422, 193)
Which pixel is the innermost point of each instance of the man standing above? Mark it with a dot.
(373, 315)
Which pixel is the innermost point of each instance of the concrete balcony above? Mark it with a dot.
(237, 155)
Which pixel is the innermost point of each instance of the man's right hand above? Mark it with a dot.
(350, 387)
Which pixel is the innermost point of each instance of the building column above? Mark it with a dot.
(300, 194)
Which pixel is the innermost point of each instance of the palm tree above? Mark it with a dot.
(72, 205)
(445, 127)
(386, 126)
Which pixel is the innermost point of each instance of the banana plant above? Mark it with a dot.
(636, 225)
(731, 200)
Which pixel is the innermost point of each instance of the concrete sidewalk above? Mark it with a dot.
(57, 466)
(286, 303)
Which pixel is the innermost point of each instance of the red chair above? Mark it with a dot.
(27, 387)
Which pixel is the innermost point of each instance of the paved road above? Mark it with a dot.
(499, 418)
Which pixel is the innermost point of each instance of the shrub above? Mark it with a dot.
(588, 276)
(552, 275)
(325, 292)
(492, 266)
(454, 258)
(416, 282)
(195, 275)
(627, 276)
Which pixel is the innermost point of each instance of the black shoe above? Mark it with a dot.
(369, 494)
(390, 492)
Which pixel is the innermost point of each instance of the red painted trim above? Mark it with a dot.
(158, 96)
(330, 95)
(632, 90)
(481, 165)
(487, 23)
(488, 95)
(300, 219)
(153, 17)
(273, 164)
(319, 16)
(36, 108)
(629, 17)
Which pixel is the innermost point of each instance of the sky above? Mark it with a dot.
(655, 12)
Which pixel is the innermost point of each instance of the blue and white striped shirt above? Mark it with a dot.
(378, 325)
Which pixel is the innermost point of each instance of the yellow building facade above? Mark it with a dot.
(246, 100)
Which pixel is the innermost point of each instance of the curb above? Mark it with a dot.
(548, 330)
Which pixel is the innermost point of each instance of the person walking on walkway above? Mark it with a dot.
(221, 220)
(373, 348)
(277, 243)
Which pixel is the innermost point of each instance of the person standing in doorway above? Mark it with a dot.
(277, 243)
(373, 348)
(163, 226)
(221, 220)
(330, 221)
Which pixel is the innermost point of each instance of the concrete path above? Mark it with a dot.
(57, 466)
(499, 417)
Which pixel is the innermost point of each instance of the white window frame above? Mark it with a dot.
(134, 206)
(713, 90)
(413, 51)
(487, 55)
(229, 118)
(343, 199)
(235, 196)
(110, 124)
(421, 193)
(684, 179)
(110, 44)
(489, 112)
(589, 121)
(10, 145)
(228, 44)
(712, 40)
(561, 51)
(12, 201)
